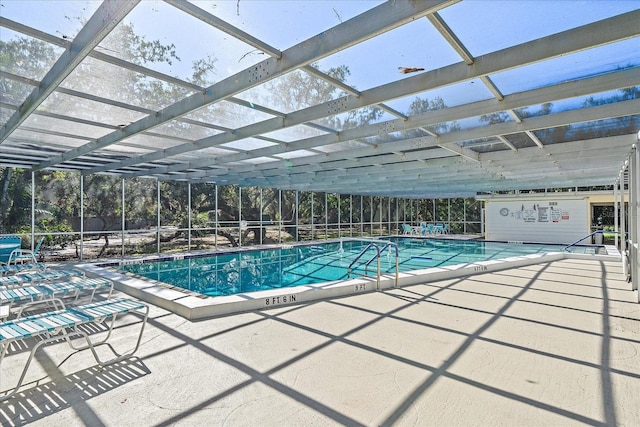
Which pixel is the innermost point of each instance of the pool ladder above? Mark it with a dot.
(375, 257)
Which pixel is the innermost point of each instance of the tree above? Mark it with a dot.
(298, 90)
(15, 199)
(23, 56)
(58, 192)
(421, 106)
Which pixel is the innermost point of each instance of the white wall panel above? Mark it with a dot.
(545, 220)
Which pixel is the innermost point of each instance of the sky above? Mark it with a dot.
(482, 25)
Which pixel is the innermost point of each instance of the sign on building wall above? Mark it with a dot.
(545, 220)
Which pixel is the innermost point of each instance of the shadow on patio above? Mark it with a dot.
(555, 343)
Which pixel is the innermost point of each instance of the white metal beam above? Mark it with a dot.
(601, 32)
(106, 17)
(366, 25)
(452, 138)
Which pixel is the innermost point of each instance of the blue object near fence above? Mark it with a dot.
(7, 245)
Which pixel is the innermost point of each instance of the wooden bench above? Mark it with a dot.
(64, 324)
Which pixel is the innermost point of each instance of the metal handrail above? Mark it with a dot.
(580, 240)
(590, 235)
(389, 245)
(382, 250)
(361, 254)
(375, 257)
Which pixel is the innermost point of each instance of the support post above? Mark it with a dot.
(633, 218)
(81, 217)
(33, 209)
(158, 217)
(123, 218)
(215, 235)
(634, 177)
(189, 217)
(615, 213)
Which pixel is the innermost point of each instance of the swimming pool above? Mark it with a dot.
(291, 266)
(313, 271)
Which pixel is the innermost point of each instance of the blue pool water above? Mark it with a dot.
(287, 266)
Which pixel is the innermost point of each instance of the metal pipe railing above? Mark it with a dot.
(591, 235)
(361, 254)
(374, 244)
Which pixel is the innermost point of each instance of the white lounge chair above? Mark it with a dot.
(21, 256)
(40, 276)
(49, 293)
(6, 270)
(64, 324)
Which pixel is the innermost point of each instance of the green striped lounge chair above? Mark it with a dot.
(40, 276)
(66, 324)
(51, 293)
(6, 270)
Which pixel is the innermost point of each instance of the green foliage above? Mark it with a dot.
(24, 56)
(56, 240)
(137, 49)
(493, 118)
(15, 199)
(140, 202)
(298, 90)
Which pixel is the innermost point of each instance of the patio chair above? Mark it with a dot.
(423, 228)
(21, 256)
(406, 229)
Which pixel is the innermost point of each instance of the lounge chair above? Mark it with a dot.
(21, 256)
(19, 268)
(40, 276)
(51, 293)
(64, 324)
(24, 295)
(427, 229)
(76, 286)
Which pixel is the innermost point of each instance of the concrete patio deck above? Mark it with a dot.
(550, 344)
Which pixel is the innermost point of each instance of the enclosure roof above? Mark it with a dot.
(434, 98)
